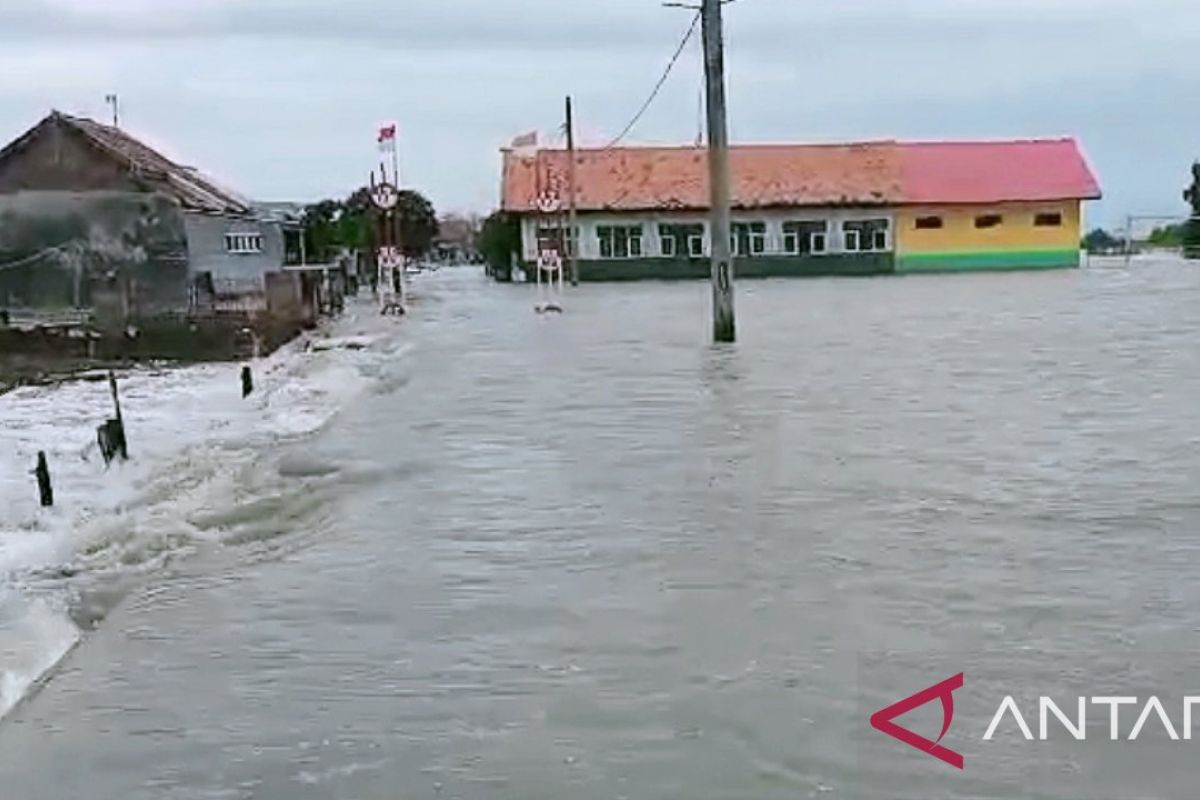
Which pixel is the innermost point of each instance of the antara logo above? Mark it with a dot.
(882, 721)
(1077, 727)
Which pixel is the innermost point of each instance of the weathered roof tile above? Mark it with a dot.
(764, 176)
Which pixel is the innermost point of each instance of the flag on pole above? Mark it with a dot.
(528, 141)
(387, 138)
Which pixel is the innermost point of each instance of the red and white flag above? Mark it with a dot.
(526, 141)
(387, 137)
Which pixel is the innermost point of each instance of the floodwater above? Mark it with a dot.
(593, 556)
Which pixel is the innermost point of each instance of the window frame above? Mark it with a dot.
(624, 241)
(242, 243)
(846, 245)
(987, 222)
(870, 235)
(754, 235)
(1049, 219)
(929, 222)
(791, 242)
(804, 237)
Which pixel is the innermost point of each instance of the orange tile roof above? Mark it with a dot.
(766, 176)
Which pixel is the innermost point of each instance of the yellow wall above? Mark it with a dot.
(1016, 233)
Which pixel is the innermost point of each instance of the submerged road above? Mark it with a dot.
(592, 556)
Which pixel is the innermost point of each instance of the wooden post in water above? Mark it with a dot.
(724, 328)
(121, 444)
(45, 489)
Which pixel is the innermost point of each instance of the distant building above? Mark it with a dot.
(86, 207)
(457, 239)
(843, 209)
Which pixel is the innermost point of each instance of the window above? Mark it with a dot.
(929, 223)
(681, 240)
(865, 235)
(620, 241)
(989, 221)
(749, 238)
(807, 237)
(243, 243)
(1048, 220)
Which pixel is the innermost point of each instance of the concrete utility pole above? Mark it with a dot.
(724, 328)
(572, 217)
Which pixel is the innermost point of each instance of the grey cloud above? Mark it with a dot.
(253, 89)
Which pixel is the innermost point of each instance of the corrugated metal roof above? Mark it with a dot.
(764, 176)
(995, 172)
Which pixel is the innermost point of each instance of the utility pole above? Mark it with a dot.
(724, 328)
(572, 217)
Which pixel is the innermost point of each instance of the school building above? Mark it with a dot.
(841, 209)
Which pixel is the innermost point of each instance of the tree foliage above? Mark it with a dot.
(1166, 236)
(332, 225)
(499, 239)
(418, 223)
(1101, 241)
(1191, 229)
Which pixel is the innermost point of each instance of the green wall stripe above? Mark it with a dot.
(832, 265)
(983, 261)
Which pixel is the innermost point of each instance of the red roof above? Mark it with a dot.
(764, 176)
(993, 172)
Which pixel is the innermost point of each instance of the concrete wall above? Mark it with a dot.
(56, 248)
(207, 251)
(837, 264)
(774, 261)
(1016, 243)
(773, 218)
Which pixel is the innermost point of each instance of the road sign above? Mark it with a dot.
(390, 258)
(549, 261)
(549, 202)
(385, 196)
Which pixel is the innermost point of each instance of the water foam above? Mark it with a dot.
(195, 445)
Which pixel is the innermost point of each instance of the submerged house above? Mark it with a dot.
(86, 210)
(843, 209)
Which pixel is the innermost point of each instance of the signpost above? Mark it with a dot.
(389, 255)
(550, 262)
(550, 259)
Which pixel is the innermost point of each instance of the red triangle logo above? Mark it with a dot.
(882, 721)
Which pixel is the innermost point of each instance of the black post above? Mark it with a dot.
(118, 429)
(43, 479)
(247, 382)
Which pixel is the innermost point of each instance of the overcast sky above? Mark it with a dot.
(281, 98)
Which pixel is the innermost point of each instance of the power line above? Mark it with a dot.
(691, 31)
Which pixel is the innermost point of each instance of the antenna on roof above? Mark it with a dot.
(114, 101)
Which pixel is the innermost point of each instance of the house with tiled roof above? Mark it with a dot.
(839, 209)
(85, 204)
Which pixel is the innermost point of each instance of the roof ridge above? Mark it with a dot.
(991, 142)
(890, 142)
